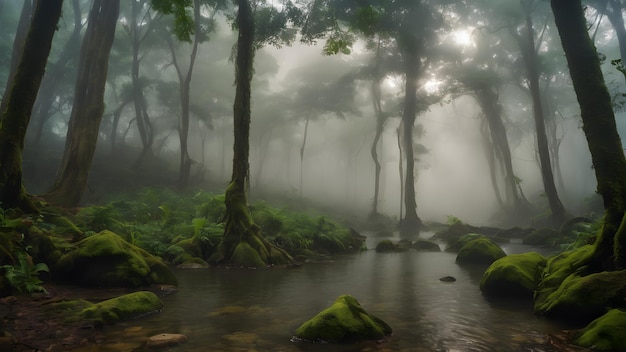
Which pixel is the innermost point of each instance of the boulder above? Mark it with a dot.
(605, 333)
(516, 275)
(584, 298)
(122, 308)
(344, 321)
(425, 246)
(164, 340)
(481, 251)
(385, 246)
(106, 260)
(455, 245)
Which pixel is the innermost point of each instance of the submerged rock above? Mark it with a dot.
(385, 246)
(107, 260)
(165, 340)
(479, 251)
(344, 321)
(605, 333)
(516, 275)
(447, 279)
(425, 246)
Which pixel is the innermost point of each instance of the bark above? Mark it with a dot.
(20, 102)
(243, 244)
(600, 130)
(380, 124)
(117, 115)
(411, 224)
(306, 130)
(53, 79)
(18, 48)
(88, 108)
(529, 55)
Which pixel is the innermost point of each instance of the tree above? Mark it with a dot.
(84, 125)
(20, 102)
(600, 129)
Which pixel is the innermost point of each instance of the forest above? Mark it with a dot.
(242, 175)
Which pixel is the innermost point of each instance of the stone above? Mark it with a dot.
(480, 251)
(516, 275)
(165, 340)
(605, 333)
(124, 307)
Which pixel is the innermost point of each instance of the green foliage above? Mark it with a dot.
(99, 218)
(24, 277)
(453, 220)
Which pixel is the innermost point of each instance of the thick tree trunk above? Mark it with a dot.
(243, 244)
(20, 102)
(529, 54)
(606, 149)
(84, 125)
(18, 49)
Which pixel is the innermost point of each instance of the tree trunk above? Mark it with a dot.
(84, 124)
(306, 131)
(18, 49)
(411, 224)
(529, 55)
(600, 129)
(20, 102)
(243, 244)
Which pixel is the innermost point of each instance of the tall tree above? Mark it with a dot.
(84, 125)
(607, 153)
(20, 102)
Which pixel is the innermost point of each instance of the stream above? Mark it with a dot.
(221, 309)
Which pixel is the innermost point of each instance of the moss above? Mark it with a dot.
(106, 260)
(516, 275)
(425, 246)
(122, 308)
(344, 321)
(558, 268)
(479, 251)
(542, 236)
(605, 333)
(456, 244)
(385, 246)
(585, 298)
(244, 255)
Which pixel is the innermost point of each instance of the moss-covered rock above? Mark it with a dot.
(558, 268)
(425, 246)
(456, 244)
(583, 298)
(106, 260)
(516, 275)
(605, 333)
(344, 321)
(542, 237)
(479, 251)
(385, 246)
(122, 308)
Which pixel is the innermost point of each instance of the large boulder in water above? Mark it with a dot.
(516, 275)
(124, 307)
(605, 333)
(481, 251)
(106, 260)
(344, 321)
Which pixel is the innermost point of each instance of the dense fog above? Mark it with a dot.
(298, 89)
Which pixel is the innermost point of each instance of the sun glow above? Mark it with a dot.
(462, 37)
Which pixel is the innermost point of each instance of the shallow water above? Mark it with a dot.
(258, 310)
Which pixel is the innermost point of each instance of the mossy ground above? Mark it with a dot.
(344, 321)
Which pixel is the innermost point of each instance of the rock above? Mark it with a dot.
(605, 333)
(458, 243)
(165, 340)
(425, 246)
(106, 260)
(542, 237)
(447, 279)
(385, 246)
(122, 308)
(584, 298)
(516, 275)
(479, 251)
(344, 321)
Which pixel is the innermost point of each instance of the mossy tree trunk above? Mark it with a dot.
(600, 129)
(20, 102)
(381, 118)
(84, 125)
(243, 244)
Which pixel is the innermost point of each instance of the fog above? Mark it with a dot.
(297, 83)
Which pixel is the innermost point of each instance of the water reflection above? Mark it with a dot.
(258, 310)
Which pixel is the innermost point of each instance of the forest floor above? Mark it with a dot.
(30, 326)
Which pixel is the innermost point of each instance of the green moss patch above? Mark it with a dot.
(516, 275)
(344, 321)
(585, 298)
(106, 260)
(605, 333)
(122, 308)
(481, 251)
